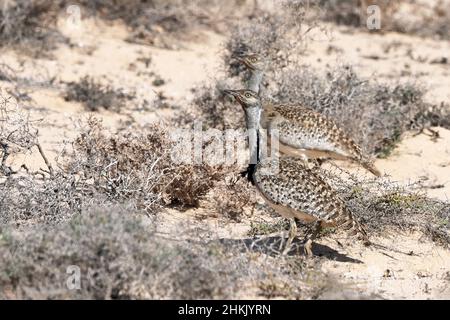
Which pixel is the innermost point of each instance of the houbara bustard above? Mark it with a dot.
(294, 190)
(302, 131)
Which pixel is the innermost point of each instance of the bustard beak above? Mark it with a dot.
(243, 58)
(238, 57)
(234, 93)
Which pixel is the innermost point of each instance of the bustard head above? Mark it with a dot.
(247, 98)
(253, 61)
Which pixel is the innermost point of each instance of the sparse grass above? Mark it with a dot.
(385, 206)
(266, 228)
(93, 95)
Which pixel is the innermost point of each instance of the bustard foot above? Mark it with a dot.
(308, 248)
(317, 226)
(292, 234)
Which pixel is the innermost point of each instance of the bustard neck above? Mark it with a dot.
(254, 83)
(252, 118)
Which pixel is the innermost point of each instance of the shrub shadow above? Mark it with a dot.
(273, 246)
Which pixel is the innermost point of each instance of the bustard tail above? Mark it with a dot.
(354, 228)
(371, 167)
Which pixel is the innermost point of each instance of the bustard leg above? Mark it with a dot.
(292, 234)
(316, 227)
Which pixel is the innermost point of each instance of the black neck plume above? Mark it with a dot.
(252, 166)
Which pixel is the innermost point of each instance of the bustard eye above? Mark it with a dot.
(253, 59)
(247, 95)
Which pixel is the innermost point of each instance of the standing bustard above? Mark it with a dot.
(295, 191)
(301, 130)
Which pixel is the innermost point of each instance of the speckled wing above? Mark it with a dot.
(302, 128)
(297, 191)
(302, 131)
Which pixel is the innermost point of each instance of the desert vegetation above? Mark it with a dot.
(108, 198)
(421, 18)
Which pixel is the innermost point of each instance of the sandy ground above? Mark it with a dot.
(399, 266)
(410, 268)
(424, 160)
(421, 271)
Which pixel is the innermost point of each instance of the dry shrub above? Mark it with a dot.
(213, 108)
(28, 199)
(137, 164)
(7, 73)
(93, 95)
(158, 22)
(17, 133)
(233, 198)
(120, 256)
(426, 19)
(30, 25)
(133, 165)
(274, 32)
(265, 34)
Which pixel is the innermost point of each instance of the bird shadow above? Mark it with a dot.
(273, 246)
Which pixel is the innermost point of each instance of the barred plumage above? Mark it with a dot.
(297, 191)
